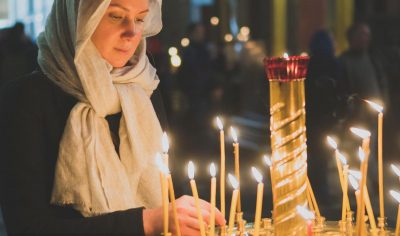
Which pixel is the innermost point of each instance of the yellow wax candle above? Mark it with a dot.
(196, 197)
(345, 203)
(379, 109)
(235, 185)
(396, 195)
(212, 199)
(172, 196)
(260, 190)
(380, 166)
(314, 201)
(370, 212)
(340, 160)
(355, 185)
(222, 175)
(398, 222)
(237, 168)
(365, 135)
(164, 191)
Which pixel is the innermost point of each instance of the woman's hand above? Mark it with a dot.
(187, 216)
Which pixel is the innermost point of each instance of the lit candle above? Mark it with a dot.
(312, 196)
(340, 158)
(396, 170)
(363, 154)
(308, 216)
(355, 185)
(235, 185)
(165, 170)
(237, 169)
(165, 147)
(346, 203)
(212, 199)
(379, 109)
(196, 197)
(396, 196)
(260, 189)
(222, 175)
(164, 192)
(268, 162)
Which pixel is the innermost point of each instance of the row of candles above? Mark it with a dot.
(357, 180)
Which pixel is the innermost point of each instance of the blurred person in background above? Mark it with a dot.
(196, 81)
(322, 96)
(18, 54)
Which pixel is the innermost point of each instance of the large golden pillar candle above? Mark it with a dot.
(288, 141)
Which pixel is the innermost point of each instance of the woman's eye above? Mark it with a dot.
(116, 17)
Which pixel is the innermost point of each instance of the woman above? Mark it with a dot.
(79, 136)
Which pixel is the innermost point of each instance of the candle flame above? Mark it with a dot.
(375, 106)
(305, 213)
(354, 182)
(267, 160)
(361, 154)
(356, 174)
(219, 123)
(396, 170)
(165, 142)
(257, 175)
(212, 170)
(331, 142)
(342, 158)
(395, 195)
(286, 55)
(191, 170)
(233, 180)
(362, 133)
(234, 135)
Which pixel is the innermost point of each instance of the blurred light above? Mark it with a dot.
(257, 175)
(185, 42)
(286, 55)
(234, 135)
(375, 106)
(362, 133)
(176, 61)
(304, 54)
(228, 38)
(245, 30)
(331, 142)
(191, 170)
(212, 170)
(172, 51)
(242, 38)
(214, 21)
(233, 180)
(219, 123)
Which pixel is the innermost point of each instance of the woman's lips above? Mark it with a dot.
(122, 50)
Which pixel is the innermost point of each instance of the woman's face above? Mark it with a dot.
(120, 30)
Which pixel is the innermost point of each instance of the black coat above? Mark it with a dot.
(33, 114)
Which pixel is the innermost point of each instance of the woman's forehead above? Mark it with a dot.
(131, 5)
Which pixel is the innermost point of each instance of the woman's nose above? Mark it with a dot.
(130, 29)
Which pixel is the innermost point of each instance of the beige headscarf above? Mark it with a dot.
(90, 175)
